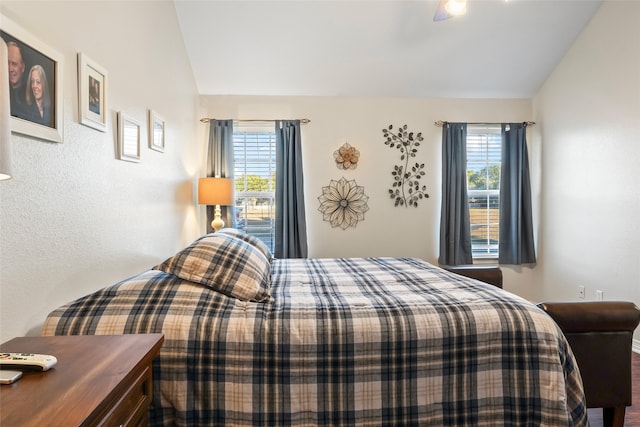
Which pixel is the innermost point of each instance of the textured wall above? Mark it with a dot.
(73, 218)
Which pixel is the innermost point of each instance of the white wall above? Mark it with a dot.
(386, 230)
(73, 218)
(588, 113)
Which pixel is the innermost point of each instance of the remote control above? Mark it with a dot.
(27, 361)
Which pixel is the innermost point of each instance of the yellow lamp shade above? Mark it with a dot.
(215, 191)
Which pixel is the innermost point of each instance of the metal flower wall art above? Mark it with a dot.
(346, 157)
(343, 203)
(407, 188)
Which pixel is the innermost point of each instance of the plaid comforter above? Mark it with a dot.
(354, 342)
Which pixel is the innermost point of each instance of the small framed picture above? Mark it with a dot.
(35, 84)
(128, 138)
(156, 131)
(92, 93)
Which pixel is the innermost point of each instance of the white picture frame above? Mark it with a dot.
(29, 116)
(156, 132)
(128, 138)
(92, 93)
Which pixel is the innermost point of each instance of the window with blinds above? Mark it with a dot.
(483, 187)
(254, 153)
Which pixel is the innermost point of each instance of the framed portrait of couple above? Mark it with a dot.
(35, 84)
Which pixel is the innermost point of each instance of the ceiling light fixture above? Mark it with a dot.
(450, 8)
(456, 7)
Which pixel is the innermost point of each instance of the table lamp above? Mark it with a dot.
(215, 191)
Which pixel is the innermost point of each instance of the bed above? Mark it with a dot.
(256, 341)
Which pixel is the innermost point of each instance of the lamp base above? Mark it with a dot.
(217, 222)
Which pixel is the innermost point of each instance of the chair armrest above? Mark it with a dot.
(593, 316)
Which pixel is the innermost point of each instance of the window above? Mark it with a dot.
(254, 153)
(483, 187)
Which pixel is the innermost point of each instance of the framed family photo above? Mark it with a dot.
(128, 138)
(156, 131)
(92, 93)
(35, 84)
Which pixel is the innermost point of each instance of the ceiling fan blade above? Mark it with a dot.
(441, 12)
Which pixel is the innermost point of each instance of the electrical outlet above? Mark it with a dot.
(581, 292)
(599, 295)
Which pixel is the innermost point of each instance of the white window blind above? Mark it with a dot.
(254, 152)
(483, 187)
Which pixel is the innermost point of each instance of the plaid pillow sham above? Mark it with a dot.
(225, 264)
(252, 240)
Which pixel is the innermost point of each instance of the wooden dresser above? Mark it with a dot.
(98, 380)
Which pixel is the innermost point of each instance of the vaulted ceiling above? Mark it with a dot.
(386, 48)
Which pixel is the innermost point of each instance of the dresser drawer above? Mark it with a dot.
(131, 409)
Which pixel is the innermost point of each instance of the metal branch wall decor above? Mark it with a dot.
(343, 203)
(406, 189)
(346, 157)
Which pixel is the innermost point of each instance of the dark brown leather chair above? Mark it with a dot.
(600, 334)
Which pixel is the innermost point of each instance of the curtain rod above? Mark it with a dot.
(208, 119)
(441, 123)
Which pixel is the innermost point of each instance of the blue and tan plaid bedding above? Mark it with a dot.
(354, 342)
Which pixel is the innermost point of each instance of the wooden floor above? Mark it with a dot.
(632, 415)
